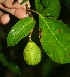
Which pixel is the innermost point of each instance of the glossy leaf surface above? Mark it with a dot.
(20, 30)
(48, 7)
(55, 39)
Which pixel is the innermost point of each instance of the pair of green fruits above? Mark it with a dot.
(32, 53)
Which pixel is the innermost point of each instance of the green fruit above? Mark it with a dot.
(32, 54)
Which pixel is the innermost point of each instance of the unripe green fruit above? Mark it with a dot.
(32, 54)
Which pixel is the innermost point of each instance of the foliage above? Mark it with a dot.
(11, 66)
(54, 35)
(55, 39)
(48, 7)
(20, 30)
(23, 1)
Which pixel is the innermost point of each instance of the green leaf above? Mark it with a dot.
(11, 66)
(20, 30)
(39, 7)
(48, 7)
(53, 8)
(14, 68)
(3, 60)
(47, 3)
(23, 1)
(55, 39)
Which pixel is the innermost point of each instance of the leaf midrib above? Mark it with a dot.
(52, 33)
(24, 27)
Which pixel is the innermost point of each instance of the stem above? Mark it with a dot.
(34, 11)
(30, 36)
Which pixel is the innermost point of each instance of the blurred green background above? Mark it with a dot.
(13, 56)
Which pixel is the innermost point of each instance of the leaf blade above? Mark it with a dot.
(20, 30)
(23, 1)
(52, 9)
(48, 7)
(11, 66)
(55, 39)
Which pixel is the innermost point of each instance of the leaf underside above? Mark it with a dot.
(55, 39)
(20, 30)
